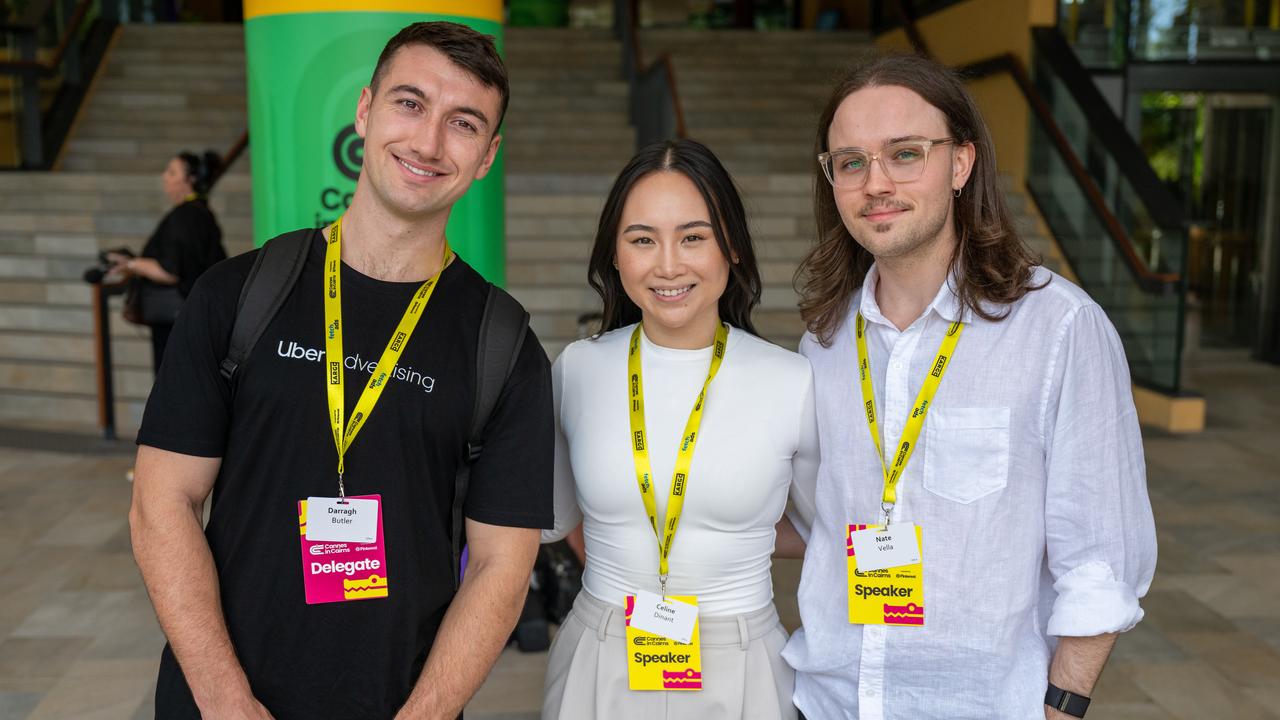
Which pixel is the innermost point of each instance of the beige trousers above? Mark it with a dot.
(743, 674)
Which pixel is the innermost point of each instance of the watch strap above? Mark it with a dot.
(1066, 701)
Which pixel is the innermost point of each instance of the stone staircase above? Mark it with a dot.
(162, 89)
(752, 97)
(567, 135)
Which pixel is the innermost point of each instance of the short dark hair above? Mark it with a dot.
(728, 222)
(470, 50)
(994, 265)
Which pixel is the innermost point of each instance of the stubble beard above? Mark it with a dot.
(915, 239)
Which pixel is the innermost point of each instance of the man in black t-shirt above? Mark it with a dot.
(266, 615)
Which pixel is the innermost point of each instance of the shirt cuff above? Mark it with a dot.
(1092, 602)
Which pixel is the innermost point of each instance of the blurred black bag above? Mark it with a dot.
(147, 303)
(557, 579)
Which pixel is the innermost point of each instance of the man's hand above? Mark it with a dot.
(479, 621)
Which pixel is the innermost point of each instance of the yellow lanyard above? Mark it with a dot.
(915, 422)
(640, 448)
(333, 348)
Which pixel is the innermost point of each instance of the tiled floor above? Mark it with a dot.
(78, 640)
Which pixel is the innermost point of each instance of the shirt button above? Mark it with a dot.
(871, 693)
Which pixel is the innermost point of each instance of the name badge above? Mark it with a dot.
(885, 596)
(655, 662)
(338, 571)
(335, 520)
(664, 617)
(878, 548)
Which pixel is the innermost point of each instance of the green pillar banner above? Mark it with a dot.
(308, 60)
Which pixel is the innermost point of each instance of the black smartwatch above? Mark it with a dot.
(1064, 701)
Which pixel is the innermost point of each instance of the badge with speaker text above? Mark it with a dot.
(886, 595)
(660, 663)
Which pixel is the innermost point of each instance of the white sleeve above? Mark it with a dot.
(804, 464)
(1100, 533)
(565, 497)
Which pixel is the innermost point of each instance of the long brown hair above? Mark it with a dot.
(728, 221)
(993, 264)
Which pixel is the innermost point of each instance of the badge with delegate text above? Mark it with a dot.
(655, 662)
(337, 570)
(881, 595)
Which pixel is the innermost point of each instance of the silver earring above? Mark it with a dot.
(957, 191)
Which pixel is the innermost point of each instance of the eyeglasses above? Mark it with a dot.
(902, 162)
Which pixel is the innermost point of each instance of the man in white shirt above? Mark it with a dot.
(1000, 395)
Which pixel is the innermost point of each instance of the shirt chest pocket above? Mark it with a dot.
(966, 453)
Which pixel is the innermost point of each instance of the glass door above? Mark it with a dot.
(1214, 150)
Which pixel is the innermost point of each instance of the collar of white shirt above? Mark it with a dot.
(946, 303)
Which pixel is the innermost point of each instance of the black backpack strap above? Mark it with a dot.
(275, 272)
(502, 332)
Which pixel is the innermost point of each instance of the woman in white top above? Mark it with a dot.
(673, 253)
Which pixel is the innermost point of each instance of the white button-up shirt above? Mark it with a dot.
(1029, 485)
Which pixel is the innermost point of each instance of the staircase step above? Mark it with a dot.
(130, 346)
(75, 379)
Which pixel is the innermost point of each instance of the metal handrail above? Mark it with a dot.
(31, 20)
(40, 136)
(103, 364)
(682, 131)
(1110, 131)
(17, 67)
(237, 149)
(626, 24)
(1150, 280)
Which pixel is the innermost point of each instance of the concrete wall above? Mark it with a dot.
(976, 30)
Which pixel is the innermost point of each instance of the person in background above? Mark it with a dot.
(680, 434)
(185, 244)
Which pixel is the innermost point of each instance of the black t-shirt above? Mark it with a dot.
(361, 658)
(186, 243)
